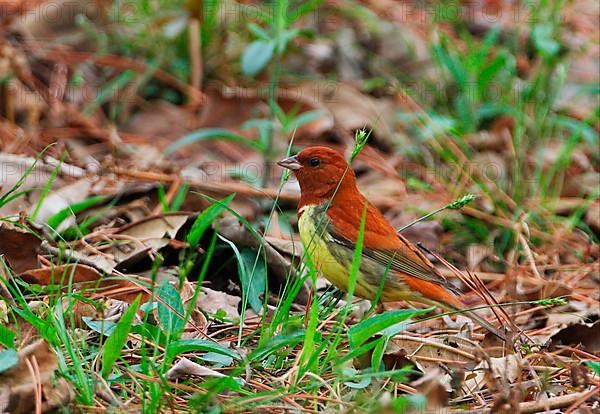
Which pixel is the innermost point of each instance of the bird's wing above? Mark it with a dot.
(405, 259)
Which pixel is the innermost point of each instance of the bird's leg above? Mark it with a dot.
(376, 309)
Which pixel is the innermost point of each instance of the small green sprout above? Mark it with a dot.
(455, 205)
(360, 138)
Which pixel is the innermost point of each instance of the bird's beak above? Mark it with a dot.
(291, 163)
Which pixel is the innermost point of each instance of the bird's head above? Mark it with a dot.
(321, 172)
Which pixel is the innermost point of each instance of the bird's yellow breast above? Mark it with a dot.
(315, 240)
(318, 243)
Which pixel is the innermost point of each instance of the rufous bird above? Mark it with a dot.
(330, 214)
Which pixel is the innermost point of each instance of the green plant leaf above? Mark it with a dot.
(302, 119)
(10, 195)
(363, 381)
(207, 134)
(105, 328)
(115, 342)
(256, 56)
(7, 337)
(361, 332)
(191, 345)
(258, 31)
(218, 359)
(170, 308)
(543, 40)
(46, 190)
(8, 359)
(595, 366)
(73, 209)
(254, 278)
(275, 344)
(204, 220)
(179, 197)
(107, 91)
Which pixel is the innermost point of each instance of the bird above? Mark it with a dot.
(331, 211)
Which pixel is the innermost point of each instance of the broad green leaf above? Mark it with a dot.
(451, 63)
(192, 345)
(105, 328)
(363, 381)
(409, 403)
(256, 56)
(254, 278)
(8, 359)
(361, 332)
(115, 342)
(219, 359)
(378, 352)
(170, 308)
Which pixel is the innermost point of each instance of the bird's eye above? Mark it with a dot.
(314, 162)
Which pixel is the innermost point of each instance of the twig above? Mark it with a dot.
(435, 344)
(542, 405)
(223, 187)
(556, 402)
(196, 71)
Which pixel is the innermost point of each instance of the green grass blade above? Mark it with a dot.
(114, 344)
(277, 343)
(73, 209)
(207, 134)
(361, 332)
(204, 220)
(46, 189)
(194, 344)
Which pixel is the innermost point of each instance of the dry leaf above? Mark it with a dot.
(61, 199)
(212, 301)
(80, 276)
(19, 247)
(352, 109)
(582, 334)
(592, 216)
(140, 240)
(146, 236)
(75, 273)
(18, 384)
(292, 248)
(507, 368)
(185, 368)
(429, 352)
